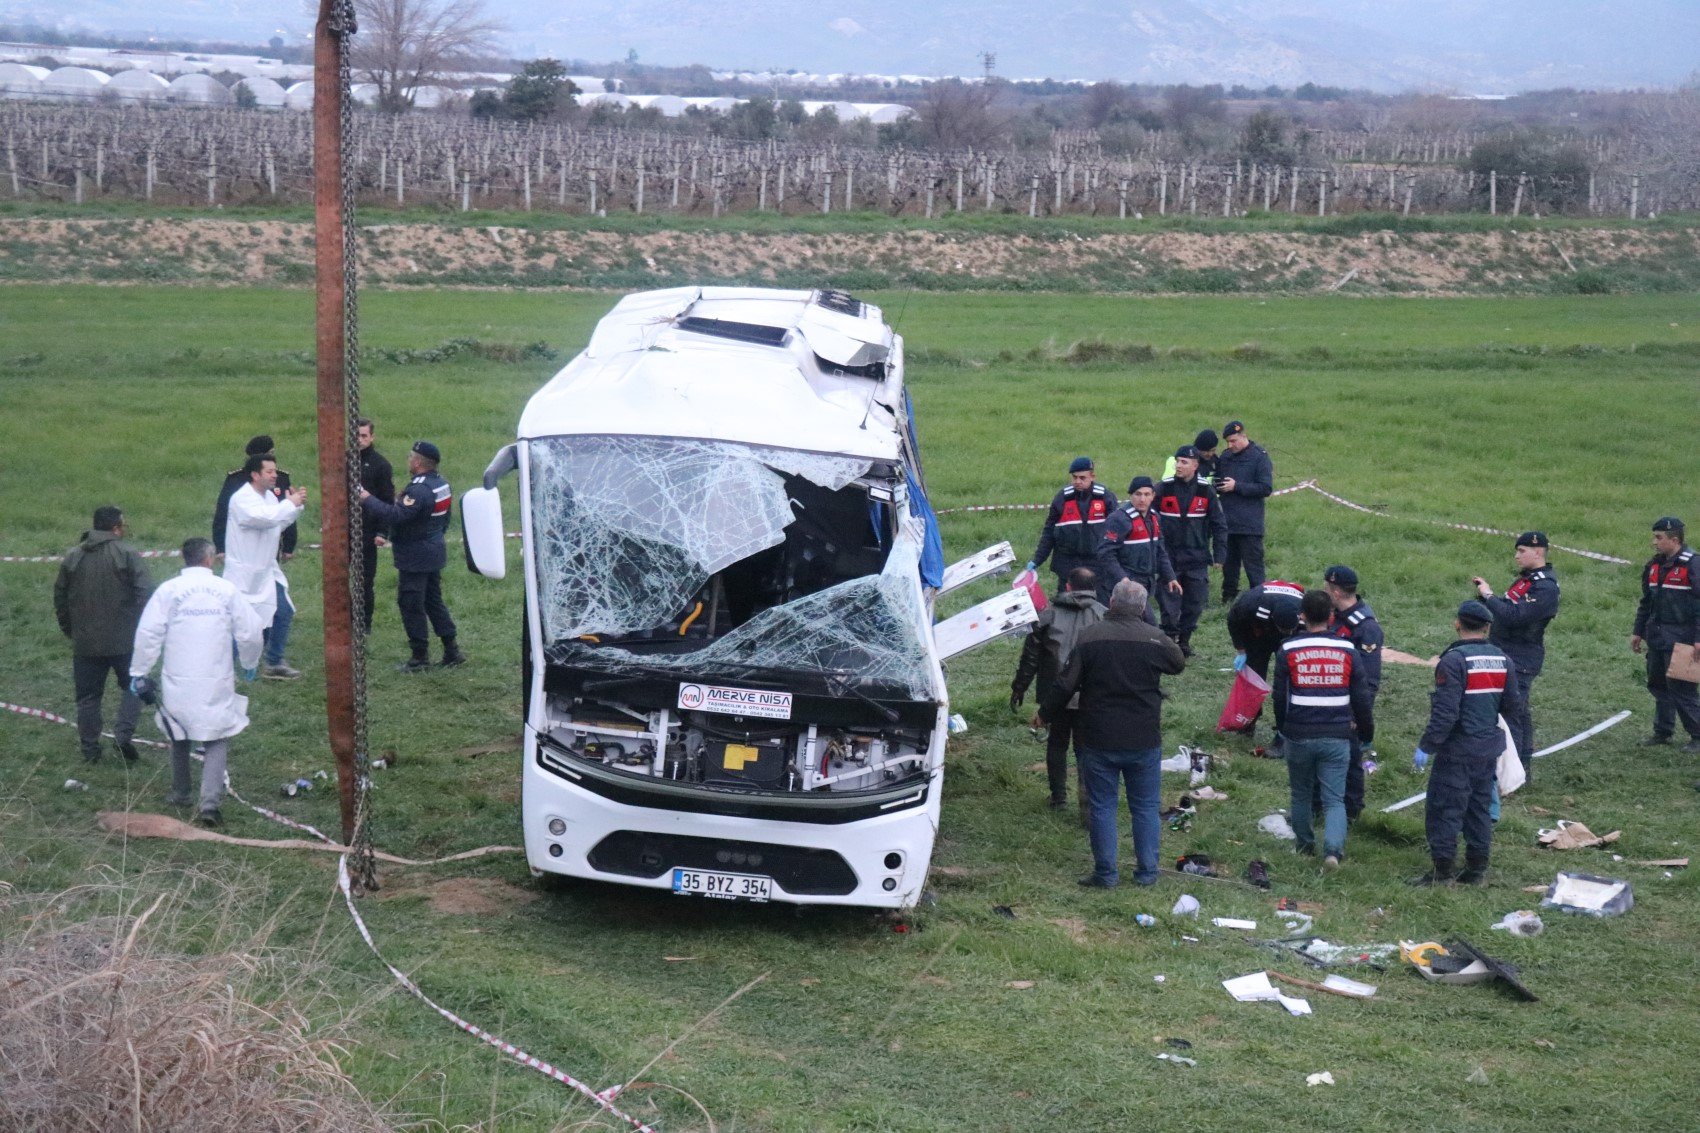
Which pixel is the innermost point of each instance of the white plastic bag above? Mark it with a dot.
(1511, 773)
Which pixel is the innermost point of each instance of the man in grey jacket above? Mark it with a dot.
(1043, 655)
(103, 585)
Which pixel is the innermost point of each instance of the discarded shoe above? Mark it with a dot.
(1257, 872)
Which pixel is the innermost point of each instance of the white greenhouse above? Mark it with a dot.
(20, 80)
(138, 86)
(268, 94)
(198, 90)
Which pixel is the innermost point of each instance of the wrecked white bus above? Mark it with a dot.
(733, 682)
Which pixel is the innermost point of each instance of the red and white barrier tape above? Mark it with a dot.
(1608, 722)
(1311, 485)
(159, 554)
(603, 1099)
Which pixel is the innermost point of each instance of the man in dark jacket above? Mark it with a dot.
(1668, 620)
(1355, 622)
(1260, 620)
(417, 521)
(1474, 685)
(1043, 655)
(1133, 547)
(102, 587)
(1520, 620)
(1116, 669)
(1321, 701)
(1244, 479)
(1075, 524)
(378, 478)
(1197, 539)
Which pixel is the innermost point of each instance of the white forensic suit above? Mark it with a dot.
(251, 536)
(192, 620)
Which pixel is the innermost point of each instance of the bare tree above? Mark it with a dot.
(953, 114)
(405, 44)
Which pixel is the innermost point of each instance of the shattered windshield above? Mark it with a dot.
(629, 529)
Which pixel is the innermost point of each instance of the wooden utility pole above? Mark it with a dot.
(330, 311)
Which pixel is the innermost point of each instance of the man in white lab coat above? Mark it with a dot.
(193, 620)
(258, 516)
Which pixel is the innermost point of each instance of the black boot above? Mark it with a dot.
(451, 653)
(421, 659)
(1475, 873)
(1185, 642)
(1441, 874)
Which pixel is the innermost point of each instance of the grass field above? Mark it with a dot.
(1573, 415)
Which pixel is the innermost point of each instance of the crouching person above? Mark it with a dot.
(1116, 669)
(1474, 684)
(190, 622)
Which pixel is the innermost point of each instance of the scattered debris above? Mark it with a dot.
(1592, 896)
(1277, 825)
(1256, 988)
(1234, 922)
(1257, 872)
(1334, 985)
(679, 959)
(1569, 835)
(1179, 1044)
(1190, 939)
(1462, 963)
(1187, 906)
(1298, 924)
(1663, 863)
(1004, 911)
(1145, 920)
(1177, 1058)
(1478, 1077)
(1179, 818)
(1546, 1044)
(1157, 979)
(1320, 953)
(1523, 922)
(1321, 1078)
(1199, 864)
(1021, 985)
(1203, 794)
(76, 785)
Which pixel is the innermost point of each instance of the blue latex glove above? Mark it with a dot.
(136, 685)
(1239, 662)
(251, 674)
(1419, 760)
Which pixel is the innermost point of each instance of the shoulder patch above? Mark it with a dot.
(1369, 647)
(408, 501)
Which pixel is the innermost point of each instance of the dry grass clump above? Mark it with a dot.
(165, 1016)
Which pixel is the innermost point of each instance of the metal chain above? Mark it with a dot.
(364, 866)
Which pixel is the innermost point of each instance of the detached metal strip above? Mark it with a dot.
(1609, 722)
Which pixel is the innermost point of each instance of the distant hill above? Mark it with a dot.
(1475, 46)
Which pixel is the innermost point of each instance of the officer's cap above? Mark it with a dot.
(1233, 428)
(258, 445)
(1533, 539)
(1476, 613)
(1189, 452)
(1341, 576)
(1139, 482)
(427, 450)
(1080, 464)
(1667, 523)
(1205, 441)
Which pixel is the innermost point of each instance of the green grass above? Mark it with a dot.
(1567, 414)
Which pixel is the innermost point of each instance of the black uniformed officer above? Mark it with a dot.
(377, 477)
(1260, 620)
(1196, 536)
(1520, 620)
(1355, 621)
(1245, 477)
(417, 521)
(1075, 524)
(1668, 618)
(1133, 547)
(1474, 684)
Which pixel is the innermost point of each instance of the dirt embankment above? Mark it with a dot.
(237, 252)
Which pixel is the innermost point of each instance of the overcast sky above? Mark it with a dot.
(1479, 45)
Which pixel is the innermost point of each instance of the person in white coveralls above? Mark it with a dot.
(192, 621)
(258, 516)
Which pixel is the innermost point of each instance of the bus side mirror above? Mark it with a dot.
(486, 542)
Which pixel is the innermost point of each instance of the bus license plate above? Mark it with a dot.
(725, 886)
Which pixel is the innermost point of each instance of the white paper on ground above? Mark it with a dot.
(1187, 906)
(1253, 988)
(1233, 922)
(1350, 987)
(1324, 1078)
(1294, 1006)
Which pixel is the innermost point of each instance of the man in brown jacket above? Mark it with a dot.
(98, 597)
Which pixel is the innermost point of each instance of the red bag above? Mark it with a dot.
(1028, 580)
(1245, 701)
